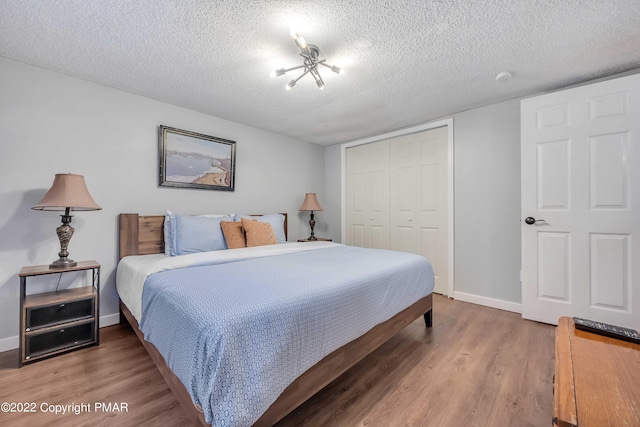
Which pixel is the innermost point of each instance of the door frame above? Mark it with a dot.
(450, 204)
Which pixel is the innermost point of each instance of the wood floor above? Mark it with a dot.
(477, 366)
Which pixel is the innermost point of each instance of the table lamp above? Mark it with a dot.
(68, 193)
(310, 203)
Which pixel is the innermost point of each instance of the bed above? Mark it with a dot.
(143, 235)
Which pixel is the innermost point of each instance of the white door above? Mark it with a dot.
(368, 195)
(580, 165)
(418, 196)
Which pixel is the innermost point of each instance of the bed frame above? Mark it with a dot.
(142, 235)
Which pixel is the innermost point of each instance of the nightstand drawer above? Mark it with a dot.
(40, 344)
(54, 314)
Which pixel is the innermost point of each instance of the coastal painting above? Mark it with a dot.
(194, 160)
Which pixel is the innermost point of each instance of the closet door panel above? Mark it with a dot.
(368, 195)
(418, 196)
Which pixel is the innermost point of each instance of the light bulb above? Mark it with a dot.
(300, 41)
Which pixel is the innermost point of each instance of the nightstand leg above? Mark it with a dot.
(23, 291)
(96, 284)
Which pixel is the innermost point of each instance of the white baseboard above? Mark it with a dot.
(7, 344)
(109, 320)
(488, 302)
(11, 343)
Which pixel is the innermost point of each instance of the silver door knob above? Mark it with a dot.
(531, 220)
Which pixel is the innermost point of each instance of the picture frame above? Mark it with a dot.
(194, 160)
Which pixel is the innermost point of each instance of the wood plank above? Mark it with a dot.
(38, 270)
(565, 412)
(151, 234)
(128, 235)
(54, 297)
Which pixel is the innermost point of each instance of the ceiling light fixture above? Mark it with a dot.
(311, 55)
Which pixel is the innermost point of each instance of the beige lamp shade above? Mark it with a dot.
(310, 203)
(68, 191)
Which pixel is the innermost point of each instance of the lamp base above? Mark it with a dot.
(312, 223)
(64, 232)
(63, 263)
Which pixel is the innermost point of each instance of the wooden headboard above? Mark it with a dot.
(144, 234)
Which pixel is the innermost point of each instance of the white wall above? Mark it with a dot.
(332, 214)
(51, 123)
(486, 203)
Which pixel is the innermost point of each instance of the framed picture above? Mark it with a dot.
(194, 160)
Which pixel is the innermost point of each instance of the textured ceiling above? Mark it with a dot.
(406, 62)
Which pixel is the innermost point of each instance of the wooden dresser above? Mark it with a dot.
(597, 379)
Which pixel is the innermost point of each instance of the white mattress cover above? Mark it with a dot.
(133, 270)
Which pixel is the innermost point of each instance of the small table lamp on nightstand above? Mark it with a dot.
(311, 204)
(68, 193)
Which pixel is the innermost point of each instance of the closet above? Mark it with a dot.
(397, 197)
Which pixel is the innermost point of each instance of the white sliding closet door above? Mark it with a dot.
(368, 195)
(418, 196)
(397, 197)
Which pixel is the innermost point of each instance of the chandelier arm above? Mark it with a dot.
(286, 70)
(323, 63)
(302, 75)
(316, 75)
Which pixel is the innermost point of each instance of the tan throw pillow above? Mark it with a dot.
(258, 233)
(233, 234)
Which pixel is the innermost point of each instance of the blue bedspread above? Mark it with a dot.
(237, 334)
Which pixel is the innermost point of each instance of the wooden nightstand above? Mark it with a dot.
(319, 239)
(57, 322)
